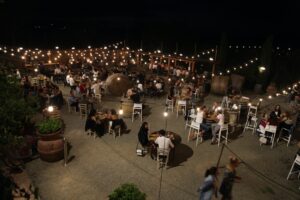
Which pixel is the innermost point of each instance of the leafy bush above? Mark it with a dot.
(48, 126)
(15, 110)
(127, 191)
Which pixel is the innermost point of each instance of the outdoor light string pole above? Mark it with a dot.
(161, 171)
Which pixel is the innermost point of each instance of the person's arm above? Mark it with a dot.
(171, 144)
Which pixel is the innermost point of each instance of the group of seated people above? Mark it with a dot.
(275, 118)
(100, 123)
(209, 120)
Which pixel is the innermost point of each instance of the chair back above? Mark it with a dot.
(195, 125)
(137, 106)
(162, 152)
(181, 102)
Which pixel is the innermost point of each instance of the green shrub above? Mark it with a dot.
(127, 191)
(49, 126)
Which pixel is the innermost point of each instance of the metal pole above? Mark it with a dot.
(65, 151)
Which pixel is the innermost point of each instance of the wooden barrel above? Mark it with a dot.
(127, 106)
(219, 85)
(237, 81)
(51, 151)
(118, 84)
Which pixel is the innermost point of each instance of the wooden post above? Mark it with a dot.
(189, 67)
(214, 64)
(193, 66)
(151, 62)
(169, 60)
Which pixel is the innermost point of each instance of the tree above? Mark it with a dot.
(15, 110)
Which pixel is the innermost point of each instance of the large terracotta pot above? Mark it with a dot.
(51, 151)
(219, 85)
(51, 136)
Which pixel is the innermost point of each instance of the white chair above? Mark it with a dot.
(162, 157)
(286, 134)
(169, 104)
(272, 134)
(296, 162)
(251, 122)
(196, 128)
(83, 110)
(181, 106)
(137, 109)
(98, 97)
(220, 135)
(116, 131)
(191, 117)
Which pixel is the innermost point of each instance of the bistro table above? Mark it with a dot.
(175, 138)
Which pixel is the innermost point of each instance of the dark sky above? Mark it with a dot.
(49, 23)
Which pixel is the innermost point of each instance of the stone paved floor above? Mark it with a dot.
(99, 166)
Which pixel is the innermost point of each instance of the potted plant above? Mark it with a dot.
(50, 144)
(49, 129)
(127, 191)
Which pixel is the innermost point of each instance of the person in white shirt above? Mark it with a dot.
(200, 114)
(57, 70)
(72, 82)
(96, 87)
(158, 86)
(178, 72)
(164, 142)
(216, 127)
(140, 87)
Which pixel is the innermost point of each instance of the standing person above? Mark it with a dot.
(229, 178)
(143, 134)
(208, 188)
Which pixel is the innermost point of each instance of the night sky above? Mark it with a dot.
(48, 23)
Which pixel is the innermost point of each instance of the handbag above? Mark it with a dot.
(140, 151)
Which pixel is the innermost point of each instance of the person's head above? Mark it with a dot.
(234, 162)
(162, 132)
(277, 107)
(203, 108)
(211, 171)
(145, 125)
(113, 111)
(265, 115)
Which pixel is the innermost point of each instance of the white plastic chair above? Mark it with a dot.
(162, 157)
(181, 106)
(170, 104)
(271, 130)
(296, 162)
(195, 127)
(191, 117)
(286, 134)
(137, 109)
(220, 135)
(251, 122)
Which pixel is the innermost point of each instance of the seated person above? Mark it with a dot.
(143, 134)
(73, 101)
(275, 115)
(90, 123)
(116, 121)
(163, 142)
(214, 108)
(263, 123)
(285, 122)
(129, 93)
(216, 127)
(135, 97)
